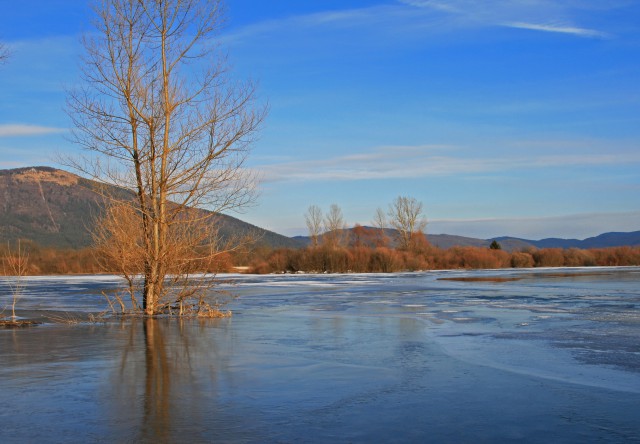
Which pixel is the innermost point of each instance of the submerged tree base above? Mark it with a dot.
(13, 323)
(173, 312)
(203, 311)
(214, 313)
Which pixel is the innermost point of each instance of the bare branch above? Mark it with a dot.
(314, 223)
(334, 227)
(159, 114)
(405, 215)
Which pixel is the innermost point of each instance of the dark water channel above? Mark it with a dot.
(545, 357)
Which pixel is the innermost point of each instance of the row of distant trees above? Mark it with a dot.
(361, 254)
(404, 218)
(380, 259)
(396, 241)
(42, 260)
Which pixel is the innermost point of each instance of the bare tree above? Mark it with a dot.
(159, 115)
(405, 215)
(313, 219)
(16, 264)
(334, 226)
(380, 222)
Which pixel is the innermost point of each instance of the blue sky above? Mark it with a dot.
(503, 117)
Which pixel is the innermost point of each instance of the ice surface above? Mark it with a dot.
(551, 356)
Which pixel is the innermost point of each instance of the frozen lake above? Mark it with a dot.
(490, 356)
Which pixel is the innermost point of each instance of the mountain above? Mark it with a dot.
(56, 208)
(605, 240)
(507, 243)
(443, 241)
(447, 241)
(49, 206)
(613, 239)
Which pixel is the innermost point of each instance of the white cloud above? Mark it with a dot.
(21, 130)
(582, 32)
(536, 15)
(397, 162)
(413, 19)
(374, 15)
(448, 6)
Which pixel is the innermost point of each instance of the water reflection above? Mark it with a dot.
(156, 423)
(166, 379)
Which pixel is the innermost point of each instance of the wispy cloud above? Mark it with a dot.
(447, 6)
(581, 32)
(535, 15)
(392, 24)
(397, 162)
(411, 19)
(367, 16)
(20, 130)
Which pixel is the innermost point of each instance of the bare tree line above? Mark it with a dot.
(404, 216)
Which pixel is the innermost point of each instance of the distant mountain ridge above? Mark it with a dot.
(605, 240)
(445, 241)
(56, 208)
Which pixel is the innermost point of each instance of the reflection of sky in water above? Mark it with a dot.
(360, 358)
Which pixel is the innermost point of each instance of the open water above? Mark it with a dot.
(534, 356)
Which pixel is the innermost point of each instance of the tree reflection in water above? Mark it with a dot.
(167, 380)
(157, 399)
